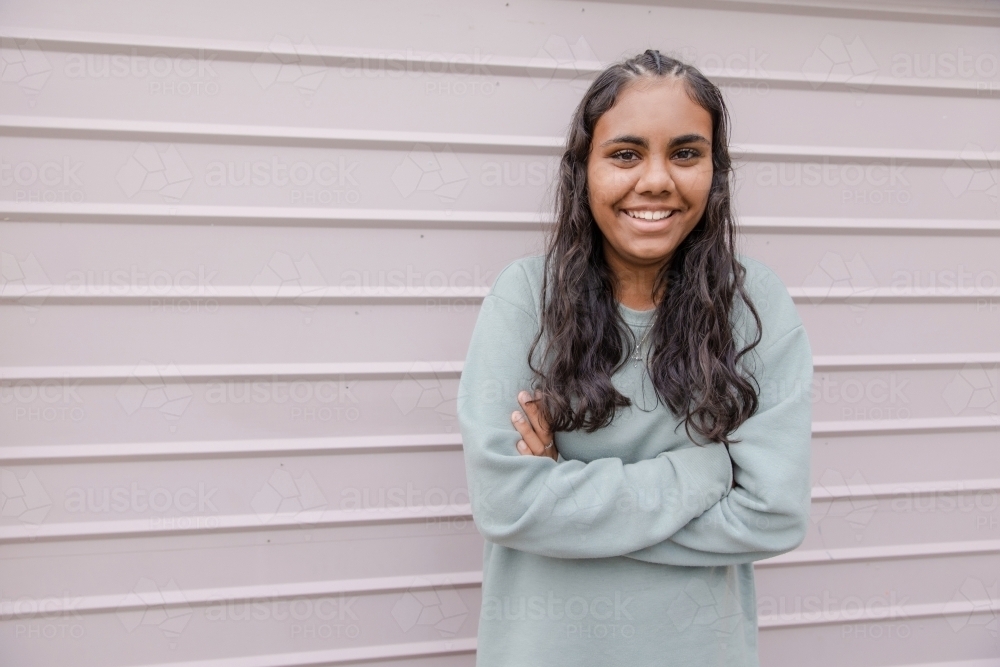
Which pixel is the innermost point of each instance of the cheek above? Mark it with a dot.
(607, 185)
(697, 184)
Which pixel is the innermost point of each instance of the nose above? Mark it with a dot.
(655, 178)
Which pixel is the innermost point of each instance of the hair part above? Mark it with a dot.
(695, 364)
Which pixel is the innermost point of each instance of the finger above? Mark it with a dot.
(533, 409)
(527, 433)
(524, 450)
(532, 406)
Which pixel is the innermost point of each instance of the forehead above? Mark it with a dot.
(654, 108)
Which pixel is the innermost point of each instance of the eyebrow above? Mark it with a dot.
(641, 141)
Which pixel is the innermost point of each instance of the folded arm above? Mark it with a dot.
(767, 513)
(570, 509)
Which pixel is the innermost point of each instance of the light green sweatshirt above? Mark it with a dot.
(633, 548)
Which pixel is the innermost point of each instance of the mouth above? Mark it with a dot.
(649, 216)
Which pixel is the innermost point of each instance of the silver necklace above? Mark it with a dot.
(637, 357)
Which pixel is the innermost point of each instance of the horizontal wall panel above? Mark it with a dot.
(947, 263)
(303, 625)
(123, 257)
(471, 83)
(75, 405)
(887, 641)
(217, 411)
(879, 328)
(348, 483)
(953, 514)
(364, 257)
(330, 333)
(206, 559)
(855, 182)
(895, 458)
(798, 591)
(164, 333)
(838, 379)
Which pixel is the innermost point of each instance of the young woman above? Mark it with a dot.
(634, 405)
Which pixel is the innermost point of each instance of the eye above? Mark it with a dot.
(687, 153)
(626, 155)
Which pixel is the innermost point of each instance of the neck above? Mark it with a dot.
(635, 280)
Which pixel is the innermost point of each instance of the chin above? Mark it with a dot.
(647, 254)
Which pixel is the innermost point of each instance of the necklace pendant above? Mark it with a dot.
(637, 357)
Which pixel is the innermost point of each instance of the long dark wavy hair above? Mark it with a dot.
(694, 364)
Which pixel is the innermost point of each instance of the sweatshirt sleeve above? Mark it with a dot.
(569, 509)
(767, 513)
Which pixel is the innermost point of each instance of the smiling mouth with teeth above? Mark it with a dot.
(649, 215)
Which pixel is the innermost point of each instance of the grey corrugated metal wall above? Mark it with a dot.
(243, 248)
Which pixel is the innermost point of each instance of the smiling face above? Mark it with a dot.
(649, 173)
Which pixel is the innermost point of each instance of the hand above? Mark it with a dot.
(535, 434)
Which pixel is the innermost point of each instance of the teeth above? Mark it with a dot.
(649, 215)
